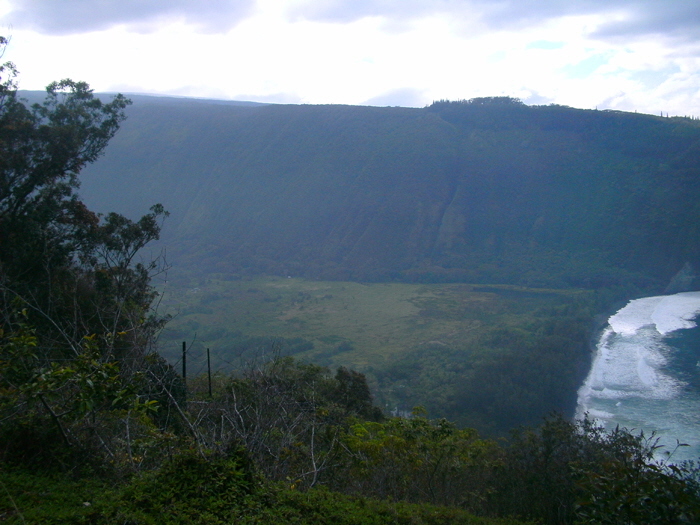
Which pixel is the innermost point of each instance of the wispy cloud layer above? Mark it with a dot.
(60, 17)
(621, 54)
(676, 18)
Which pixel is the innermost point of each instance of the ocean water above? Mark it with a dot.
(645, 373)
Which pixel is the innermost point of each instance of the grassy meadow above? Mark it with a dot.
(411, 340)
(377, 322)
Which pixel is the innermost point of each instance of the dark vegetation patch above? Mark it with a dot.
(467, 191)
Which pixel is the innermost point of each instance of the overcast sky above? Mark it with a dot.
(633, 55)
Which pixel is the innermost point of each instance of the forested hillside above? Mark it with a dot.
(486, 190)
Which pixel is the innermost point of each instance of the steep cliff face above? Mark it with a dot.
(483, 191)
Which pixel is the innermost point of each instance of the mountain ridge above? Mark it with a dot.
(486, 190)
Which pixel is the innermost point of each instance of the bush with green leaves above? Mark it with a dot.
(419, 460)
(190, 488)
(577, 472)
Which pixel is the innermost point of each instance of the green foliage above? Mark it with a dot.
(42, 149)
(72, 271)
(418, 460)
(82, 386)
(319, 507)
(352, 393)
(485, 357)
(478, 101)
(482, 191)
(220, 496)
(76, 325)
(565, 472)
(51, 498)
(637, 490)
(18, 357)
(291, 422)
(190, 488)
(52, 411)
(289, 417)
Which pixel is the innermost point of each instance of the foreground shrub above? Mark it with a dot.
(199, 490)
(417, 460)
(320, 506)
(576, 472)
(191, 488)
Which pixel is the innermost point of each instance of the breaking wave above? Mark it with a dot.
(634, 380)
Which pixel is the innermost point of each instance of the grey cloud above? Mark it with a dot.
(77, 16)
(679, 19)
(676, 18)
(672, 18)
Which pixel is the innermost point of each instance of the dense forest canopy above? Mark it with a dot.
(483, 190)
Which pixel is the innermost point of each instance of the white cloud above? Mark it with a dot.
(385, 52)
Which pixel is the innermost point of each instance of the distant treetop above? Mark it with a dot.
(481, 101)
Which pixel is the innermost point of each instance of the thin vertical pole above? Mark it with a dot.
(184, 361)
(209, 371)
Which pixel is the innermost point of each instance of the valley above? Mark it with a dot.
(418, 344)
(221, 319)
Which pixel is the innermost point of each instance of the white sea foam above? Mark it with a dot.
(631, 355)
(676, 312)
(630, 383)
(665, 312)
(629, 365)
(635, 315)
